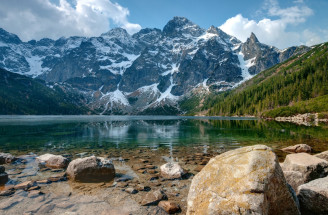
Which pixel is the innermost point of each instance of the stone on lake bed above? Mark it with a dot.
(313, 197)
(247, 180)
(24, 185)
(301, 168)
(169, 206)
(6, 158)
(3, 175)
(299, 148)
(53, 161)
(34, 193)
(153, 198)
(2, 169)
(91, 170)
(141, 187)
(7, 192)
(172, 171)
(131, 190)
(45, 181)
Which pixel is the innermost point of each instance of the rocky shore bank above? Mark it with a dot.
(307, 119)
(248, 180)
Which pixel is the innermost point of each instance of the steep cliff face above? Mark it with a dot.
(130, 74)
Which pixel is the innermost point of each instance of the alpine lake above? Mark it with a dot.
(129, 141)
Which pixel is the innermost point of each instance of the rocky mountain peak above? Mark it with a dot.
(148, 35)
(7, 37)
(213, 30)
(181, 25)
(252, 39)
(116, 33)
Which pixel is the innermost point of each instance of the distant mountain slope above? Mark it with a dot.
(148, 72)
(281, 90)
(23, 95)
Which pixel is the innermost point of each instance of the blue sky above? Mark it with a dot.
(275, 22)
(156, 13)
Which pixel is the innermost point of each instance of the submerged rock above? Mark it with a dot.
(91, 169)
(153, 198)
(3, 178)
(172, 171)
(313, 197)
(24, 185)
(299, 148)
(53, 161)
(169, 206)
(248, 180)
(301, 168)
(6, 158)
(131, 190)
(3, 175)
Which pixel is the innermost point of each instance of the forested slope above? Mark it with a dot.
(23, 95)
(283, 90)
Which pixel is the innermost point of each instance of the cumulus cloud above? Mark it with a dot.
(274, 31)
(36, 19)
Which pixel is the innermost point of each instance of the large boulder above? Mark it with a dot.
(248, 180)
(91, 170)
(53, 161)
(313, 197)
(301, 168)
(3, 175)
(172, 171)
(322, 155)
(6, 158)
(299, 148)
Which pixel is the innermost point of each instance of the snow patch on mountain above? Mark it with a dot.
(120, 67)
(35, 63)
(244, 66)
(175, 68)
(167, 94)
(114, 97)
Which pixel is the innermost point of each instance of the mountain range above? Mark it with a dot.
(150, 72)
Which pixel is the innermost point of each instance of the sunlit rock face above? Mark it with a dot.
(248, 180)
(152, 70)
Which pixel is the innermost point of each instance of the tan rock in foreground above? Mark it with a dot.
(301, 168)
(299, 148)
(248, 180)
(323, 155)
(313, 197)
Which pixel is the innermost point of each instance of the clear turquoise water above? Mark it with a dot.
(23, 134)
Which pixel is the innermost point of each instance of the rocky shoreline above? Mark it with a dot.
(248, 180)
(307, 119)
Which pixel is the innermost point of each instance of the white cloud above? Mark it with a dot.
(275, 31)
(36, 19)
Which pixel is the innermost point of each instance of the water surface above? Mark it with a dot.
(61, 134)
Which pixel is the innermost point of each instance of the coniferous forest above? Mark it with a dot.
(299, 85)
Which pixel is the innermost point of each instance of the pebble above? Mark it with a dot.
(46, 181)
(34, 194)
(152, 198)
(131, 190)
(169, 206)
(7, 192)
(24, 185)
